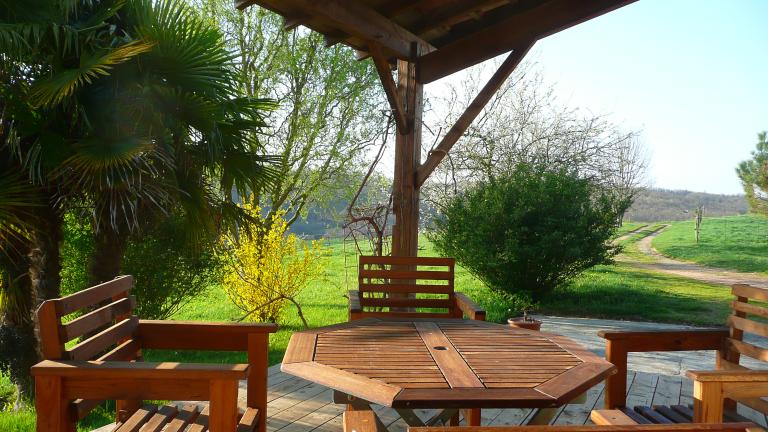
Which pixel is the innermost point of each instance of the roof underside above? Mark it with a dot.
(442, 36)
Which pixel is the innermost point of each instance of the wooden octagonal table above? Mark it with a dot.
(443, 364)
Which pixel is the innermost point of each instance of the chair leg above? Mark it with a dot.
(258, 359)
(707, 402)
(223, 406)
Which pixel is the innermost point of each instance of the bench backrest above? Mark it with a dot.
(744, 310)
(406, 286)
(106, 324)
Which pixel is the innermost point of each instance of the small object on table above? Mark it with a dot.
(448, 365)
(525, 322)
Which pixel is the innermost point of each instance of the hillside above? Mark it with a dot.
(654, 205)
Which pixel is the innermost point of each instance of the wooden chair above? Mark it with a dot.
(715, 392)
(365, 421)
(106, 364)
(389, 286)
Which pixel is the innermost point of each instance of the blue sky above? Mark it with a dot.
(691, 74)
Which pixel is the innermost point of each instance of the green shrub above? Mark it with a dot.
(76, 250)
(169, 267)
(530, 231)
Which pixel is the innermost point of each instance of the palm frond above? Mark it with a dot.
(53, 90)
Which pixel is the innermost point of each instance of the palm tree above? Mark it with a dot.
(131, 107)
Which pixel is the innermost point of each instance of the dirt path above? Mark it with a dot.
(690, 270)
(630, 233)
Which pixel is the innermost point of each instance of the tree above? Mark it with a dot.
(130, 107)
(753, 174)
(529, 230)
(524, 123)
(329, 113)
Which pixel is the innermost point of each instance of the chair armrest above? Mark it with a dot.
(711, 388)
(730, 376)
(199, 336)
(667, 340)
(619, 344)
(355, 308)
(469, 307)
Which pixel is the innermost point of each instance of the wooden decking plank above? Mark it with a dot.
(299, 410)
(667, 391)
(641, 392)
(511, 417)
(292, 399)
(315, 419)
(578, 413)
(286, 387)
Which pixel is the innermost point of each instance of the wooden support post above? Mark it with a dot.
(405, 234)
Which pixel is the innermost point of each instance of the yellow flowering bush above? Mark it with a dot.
(267, 269)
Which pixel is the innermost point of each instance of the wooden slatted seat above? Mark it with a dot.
(169, 418)
(105, 363)
(409, 287)
(716, 392)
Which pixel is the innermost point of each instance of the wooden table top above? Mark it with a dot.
(422, 363)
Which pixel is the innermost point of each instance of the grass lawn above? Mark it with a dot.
(618, 291)
(735, 242)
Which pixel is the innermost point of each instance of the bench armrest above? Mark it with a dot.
(200, 336)
(139, 370)
(355, 308)
(58, 383)
(621, 343)
(469, 307)
(134, 380)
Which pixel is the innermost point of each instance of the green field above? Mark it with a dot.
(618, 291)
(736, 242)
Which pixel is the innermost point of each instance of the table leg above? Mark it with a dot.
(472, 416)
(356, 421)
(544, 416)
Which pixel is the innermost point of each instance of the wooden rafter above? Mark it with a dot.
(492, 40)
(353, 18)
(390, 88)
(468, 116)
(455, 13)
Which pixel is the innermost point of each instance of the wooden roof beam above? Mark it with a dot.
(468, 116)
(354, 18)
(490, 41)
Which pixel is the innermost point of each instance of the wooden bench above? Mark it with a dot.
(104, 364)
(400, 287)
(364, 421)
(716, 392)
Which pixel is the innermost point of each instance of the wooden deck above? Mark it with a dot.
(297, 405)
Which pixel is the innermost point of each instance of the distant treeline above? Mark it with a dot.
(654, 205)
